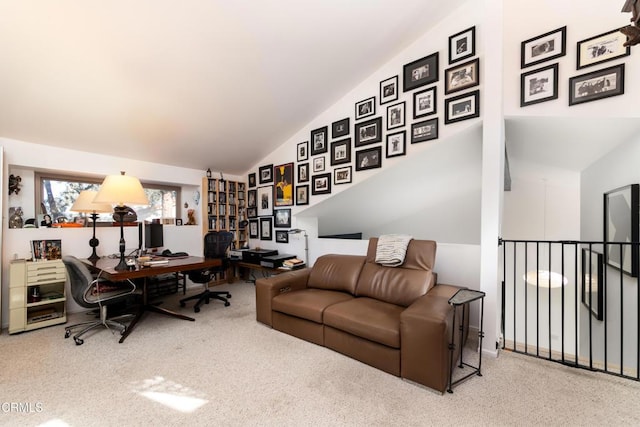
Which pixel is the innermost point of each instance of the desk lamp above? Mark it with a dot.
(118, 190)
(85, 204)
(306, 242)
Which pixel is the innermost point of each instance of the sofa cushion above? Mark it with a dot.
(308, 303)
(336, 272)
(368, 318)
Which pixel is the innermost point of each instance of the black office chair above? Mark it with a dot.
(95, 293)
(216, 244)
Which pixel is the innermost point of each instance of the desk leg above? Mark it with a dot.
(452, 347)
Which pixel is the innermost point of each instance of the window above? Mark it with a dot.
(58, 192)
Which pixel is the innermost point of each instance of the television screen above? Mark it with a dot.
(153, 236)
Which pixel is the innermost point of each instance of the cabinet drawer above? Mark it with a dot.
(41, 272)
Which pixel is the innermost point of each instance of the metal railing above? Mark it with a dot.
(573, 302)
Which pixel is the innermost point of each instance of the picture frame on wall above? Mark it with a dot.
(462, 76)
(266, 173)
(342, 175)
(368, 132)
(395, 115)
(252, 197)
(420, 72)
(539, 85)
(365, 108)
(544, 47)
(282, 236)
(282, 218)
(266, 228)
(318, 164)
(462, 107)
(601, 48)
(340, 128)
(622, 224)
(303, 151)
(425, 130)
(341, 152)
(396, 144)
(264, 200)
(369, 158)
(254, 231)
(425, 102)
(252, 179)
(302, 195)
(318, 142)
(252, 212)
(389, 90)
(462, 45)
(303, 172)
(592, 279)
(283, 188)
(597, 85)
(321, 184)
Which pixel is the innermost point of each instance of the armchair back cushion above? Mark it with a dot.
(336, 272)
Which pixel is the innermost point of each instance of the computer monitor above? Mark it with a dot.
(153, 235)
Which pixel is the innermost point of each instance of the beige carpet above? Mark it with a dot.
(226, 369)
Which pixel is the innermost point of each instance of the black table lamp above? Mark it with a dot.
(85, 204)
(121, 190)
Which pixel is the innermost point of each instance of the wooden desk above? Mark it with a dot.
(106, 268)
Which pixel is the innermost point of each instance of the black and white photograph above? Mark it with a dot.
(342, 175)
(597, 85)
(425, 102)
(266, 228)
(396, 144)
(539, 85)
(266, 174)
(462, 76)
(462, 45)
(622, 224)
(340, 128)
(282, 218)
(368, 132)
(369, 158)
(303, 151)
(252, 179)
(462, 107)
(341, 152)
(543, 48)
(389, 90)
(365, 108)
(252, 212)
(254, 232)
(321, 184)
(303, 172)
(319, 141)
(252, 197)
(420, 72)
(602, 48)
(282, 236)
(592, 278)
(424, 131)
(318, 164)
(395, 115)
(265, 200)
(302, 195)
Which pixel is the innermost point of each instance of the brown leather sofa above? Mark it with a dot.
(393, 318)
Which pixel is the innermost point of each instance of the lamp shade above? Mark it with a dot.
(120, 190)
(85, 203)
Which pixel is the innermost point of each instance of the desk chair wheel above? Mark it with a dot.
(67, 334)
(79, 341)
(196, 309)
(227, 303)
(182, 304)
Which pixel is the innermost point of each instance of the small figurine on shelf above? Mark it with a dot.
(191, 215)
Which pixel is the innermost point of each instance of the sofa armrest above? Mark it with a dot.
(425, 333)
(269, 287)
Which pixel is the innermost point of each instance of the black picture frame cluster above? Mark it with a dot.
(541, 84)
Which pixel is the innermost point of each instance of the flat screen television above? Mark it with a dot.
(153, 236)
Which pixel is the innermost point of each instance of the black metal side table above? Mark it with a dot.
(465, 296)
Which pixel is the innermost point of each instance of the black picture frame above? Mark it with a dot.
(303, 172)
(462, 45)
(396, 144)
(254, 231)
(425, 130)
(601, 48)
(420, 72)
(539, 85)
(462, 76)
(622, 225)
(425, 102)
(252, 198)
(283, 185)
(396, 115)
(544, 47)
(282, 236)
(597, 85)
(462, 107)
(266, 228)
(342, 175)
(321, 184)
(389, 90)
(370, 158)
(340, 128)
(265, 173)
(368, 132)
(302, 195)
(302, 151)
(365, 108)
(592, 279)
(252, 212)
(318, 164)
(318, 141)
(341, 152)
(282, 218)
(252, 179)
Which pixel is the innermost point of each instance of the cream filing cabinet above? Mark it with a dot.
(36, 294)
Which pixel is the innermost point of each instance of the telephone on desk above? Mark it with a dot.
(169, 254)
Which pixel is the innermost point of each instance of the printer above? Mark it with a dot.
(275, 261)
(254, 256)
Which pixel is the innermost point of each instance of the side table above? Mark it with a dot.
(465, 296)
